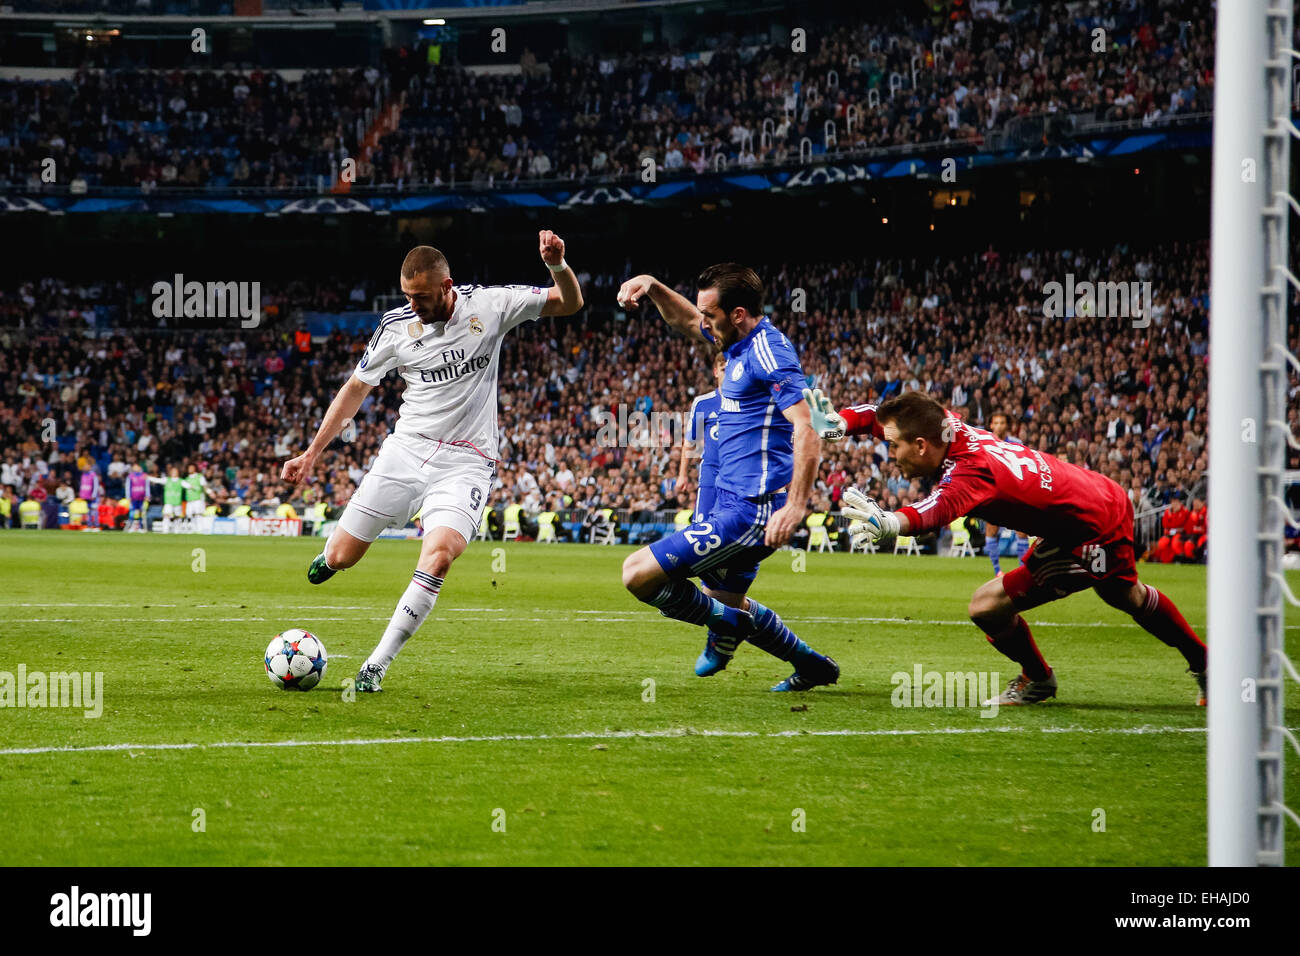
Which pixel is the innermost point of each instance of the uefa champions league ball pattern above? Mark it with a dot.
(295, 660)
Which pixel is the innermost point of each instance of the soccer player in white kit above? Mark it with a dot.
(441, 458)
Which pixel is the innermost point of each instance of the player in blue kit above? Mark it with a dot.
(767, 461)
(701, 441)
(1000, 427)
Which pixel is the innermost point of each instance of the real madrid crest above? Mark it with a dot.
(476, 326)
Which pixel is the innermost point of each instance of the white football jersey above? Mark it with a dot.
(451, 367)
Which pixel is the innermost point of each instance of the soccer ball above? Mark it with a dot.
(295, 660)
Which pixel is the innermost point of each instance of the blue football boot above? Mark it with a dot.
(717, 654)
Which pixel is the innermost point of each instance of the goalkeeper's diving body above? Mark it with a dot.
(1083, 521)
(767, 460)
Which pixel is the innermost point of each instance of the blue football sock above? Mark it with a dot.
(683, 601)
(993, 548)
(771, 635)
(726, 648)
(1022, 545)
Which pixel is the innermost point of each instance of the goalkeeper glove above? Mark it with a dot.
(826, 422)
(870, 522)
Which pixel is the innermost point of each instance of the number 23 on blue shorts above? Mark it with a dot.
(730, 536)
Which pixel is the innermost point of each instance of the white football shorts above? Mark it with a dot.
(448, 485)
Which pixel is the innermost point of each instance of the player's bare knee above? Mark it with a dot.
(986, 608)
(631, 572)
(729, 598)
(340, 555)
(436, 561)
(639, 572)
(1127, 598)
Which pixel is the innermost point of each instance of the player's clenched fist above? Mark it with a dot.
(297, 469)
(631, 291)
(551, 247)
(870, 522)
(781, 526)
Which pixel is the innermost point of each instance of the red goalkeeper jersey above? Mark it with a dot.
(1012, 486)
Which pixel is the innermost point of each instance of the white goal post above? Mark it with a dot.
(1249, 279)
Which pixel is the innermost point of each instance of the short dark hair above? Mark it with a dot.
(739, 287)
(424, 259)
(916, 415)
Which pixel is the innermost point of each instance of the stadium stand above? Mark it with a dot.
(1129, 402)
(915, 80)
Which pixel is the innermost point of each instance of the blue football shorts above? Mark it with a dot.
(724, 548)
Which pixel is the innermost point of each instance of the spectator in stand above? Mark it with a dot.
(1193, 536)
(1172, 522)
(9, 504)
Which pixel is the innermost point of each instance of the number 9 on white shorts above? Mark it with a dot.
(448, 485)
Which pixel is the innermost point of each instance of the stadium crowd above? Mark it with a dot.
(598, 120)
(1127, 401)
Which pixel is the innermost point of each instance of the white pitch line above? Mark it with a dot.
(631, 616)
(558, 611)
(338, 607)
(312, 621)
(602, 735)
(310, 607)
(559, 616)
(75, 604)
(965, 623)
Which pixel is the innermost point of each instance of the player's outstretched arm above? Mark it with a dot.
(344, 406)
(850, 420)
(676, 309)
(683, 468)
(565, 297)
(807, 456)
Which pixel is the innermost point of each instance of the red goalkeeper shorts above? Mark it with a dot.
(1051, 572)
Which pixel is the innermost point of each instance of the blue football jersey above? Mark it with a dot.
(755, 441)
(703, 428)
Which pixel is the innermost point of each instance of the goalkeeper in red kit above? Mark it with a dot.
(1083, 521)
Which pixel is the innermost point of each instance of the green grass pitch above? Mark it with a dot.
(509, 731)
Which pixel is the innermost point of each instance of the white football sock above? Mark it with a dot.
(415, 605)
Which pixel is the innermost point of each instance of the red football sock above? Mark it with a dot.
(1017, 643)
(1162, 618)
